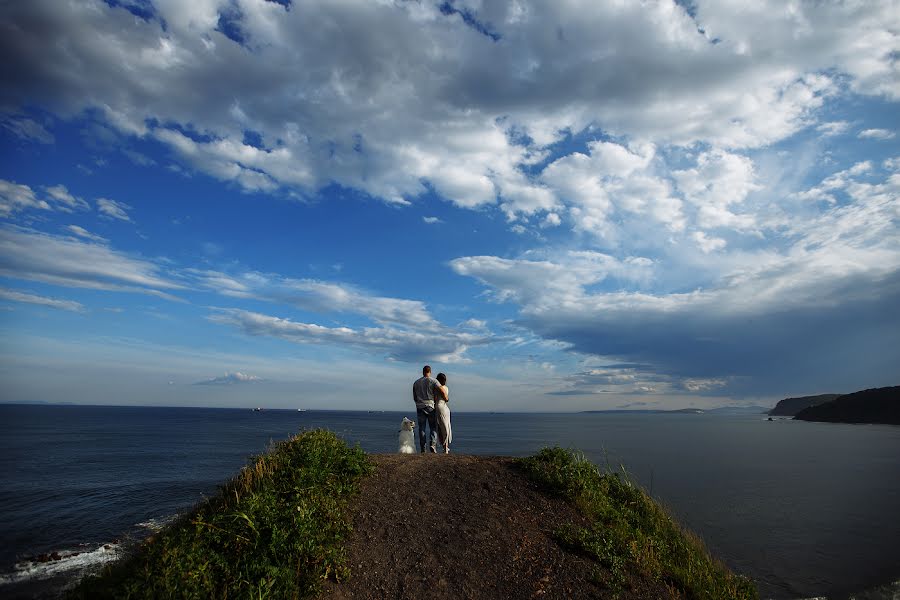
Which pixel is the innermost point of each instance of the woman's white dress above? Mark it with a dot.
(445, 433)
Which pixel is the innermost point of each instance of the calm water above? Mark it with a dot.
(805, 509)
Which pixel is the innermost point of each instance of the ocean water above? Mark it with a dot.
(804, 509)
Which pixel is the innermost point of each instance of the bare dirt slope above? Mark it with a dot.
(455, 526)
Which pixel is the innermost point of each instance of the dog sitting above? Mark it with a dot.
(407, 441)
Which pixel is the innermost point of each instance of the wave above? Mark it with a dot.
(156, 524)
(61, 562)
(889, 591)
(73, 564)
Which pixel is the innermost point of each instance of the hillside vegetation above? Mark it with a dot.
(274, 531)
(631, 535)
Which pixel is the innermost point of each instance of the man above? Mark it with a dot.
(423, 396)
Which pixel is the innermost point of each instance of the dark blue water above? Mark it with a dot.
(805, 509)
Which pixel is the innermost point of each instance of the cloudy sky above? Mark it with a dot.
(563, 205)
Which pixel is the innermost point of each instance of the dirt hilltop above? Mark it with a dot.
(457, 526)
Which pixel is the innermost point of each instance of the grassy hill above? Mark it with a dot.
(314, 517)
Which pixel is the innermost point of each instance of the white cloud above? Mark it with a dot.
(835, 182)
(551, 220)
(708, 244)
(30, 255)
(401, 329)
(838, 272)
(613, 184)
(66, 201)
(231, 379)
(27, 129)
(19, 296)
(548, 283)
(84, 233)
(628, 379)
(315, 296)
(445, 106)
(876, 134)
(473, 324)
(437, 343)
(138, 158)
(832, 128)
(720, 182)
(431, 220)
(113, 209)
(15, 197)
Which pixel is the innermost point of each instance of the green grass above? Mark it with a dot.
(274, 531)
(630, 535)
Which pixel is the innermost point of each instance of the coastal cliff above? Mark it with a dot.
(791, 406)
(876, 405)
(315, 518)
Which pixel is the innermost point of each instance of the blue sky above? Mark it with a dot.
(564, 207)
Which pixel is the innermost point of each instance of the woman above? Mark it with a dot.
(445, 434)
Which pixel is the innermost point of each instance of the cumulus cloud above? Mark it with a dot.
(113, 210)
(774, 316)
(431, 220)
(418, 99)
(611, 185)
(551, 220)
(231, 379)
(720, 182)
(834, 183)
(708, 244)
(832, 128)
(19, 296)
(876, 134)
(547, 282)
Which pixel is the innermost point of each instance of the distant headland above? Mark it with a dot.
(876, 405)
(789, 407)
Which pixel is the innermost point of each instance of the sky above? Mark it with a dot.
(564, 206)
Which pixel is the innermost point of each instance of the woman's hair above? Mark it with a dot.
(442, 379)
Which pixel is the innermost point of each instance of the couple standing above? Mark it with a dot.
(431, 396)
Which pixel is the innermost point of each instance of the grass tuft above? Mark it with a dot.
(274, 531)
(630, 535)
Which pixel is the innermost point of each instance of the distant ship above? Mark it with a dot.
(301, 410)
(257, 409)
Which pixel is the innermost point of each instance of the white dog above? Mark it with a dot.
(407, 441)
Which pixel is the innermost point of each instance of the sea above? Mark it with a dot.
(806, 510)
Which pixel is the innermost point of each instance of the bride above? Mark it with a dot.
(445, 434)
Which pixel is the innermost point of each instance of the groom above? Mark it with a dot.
(423, 396)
